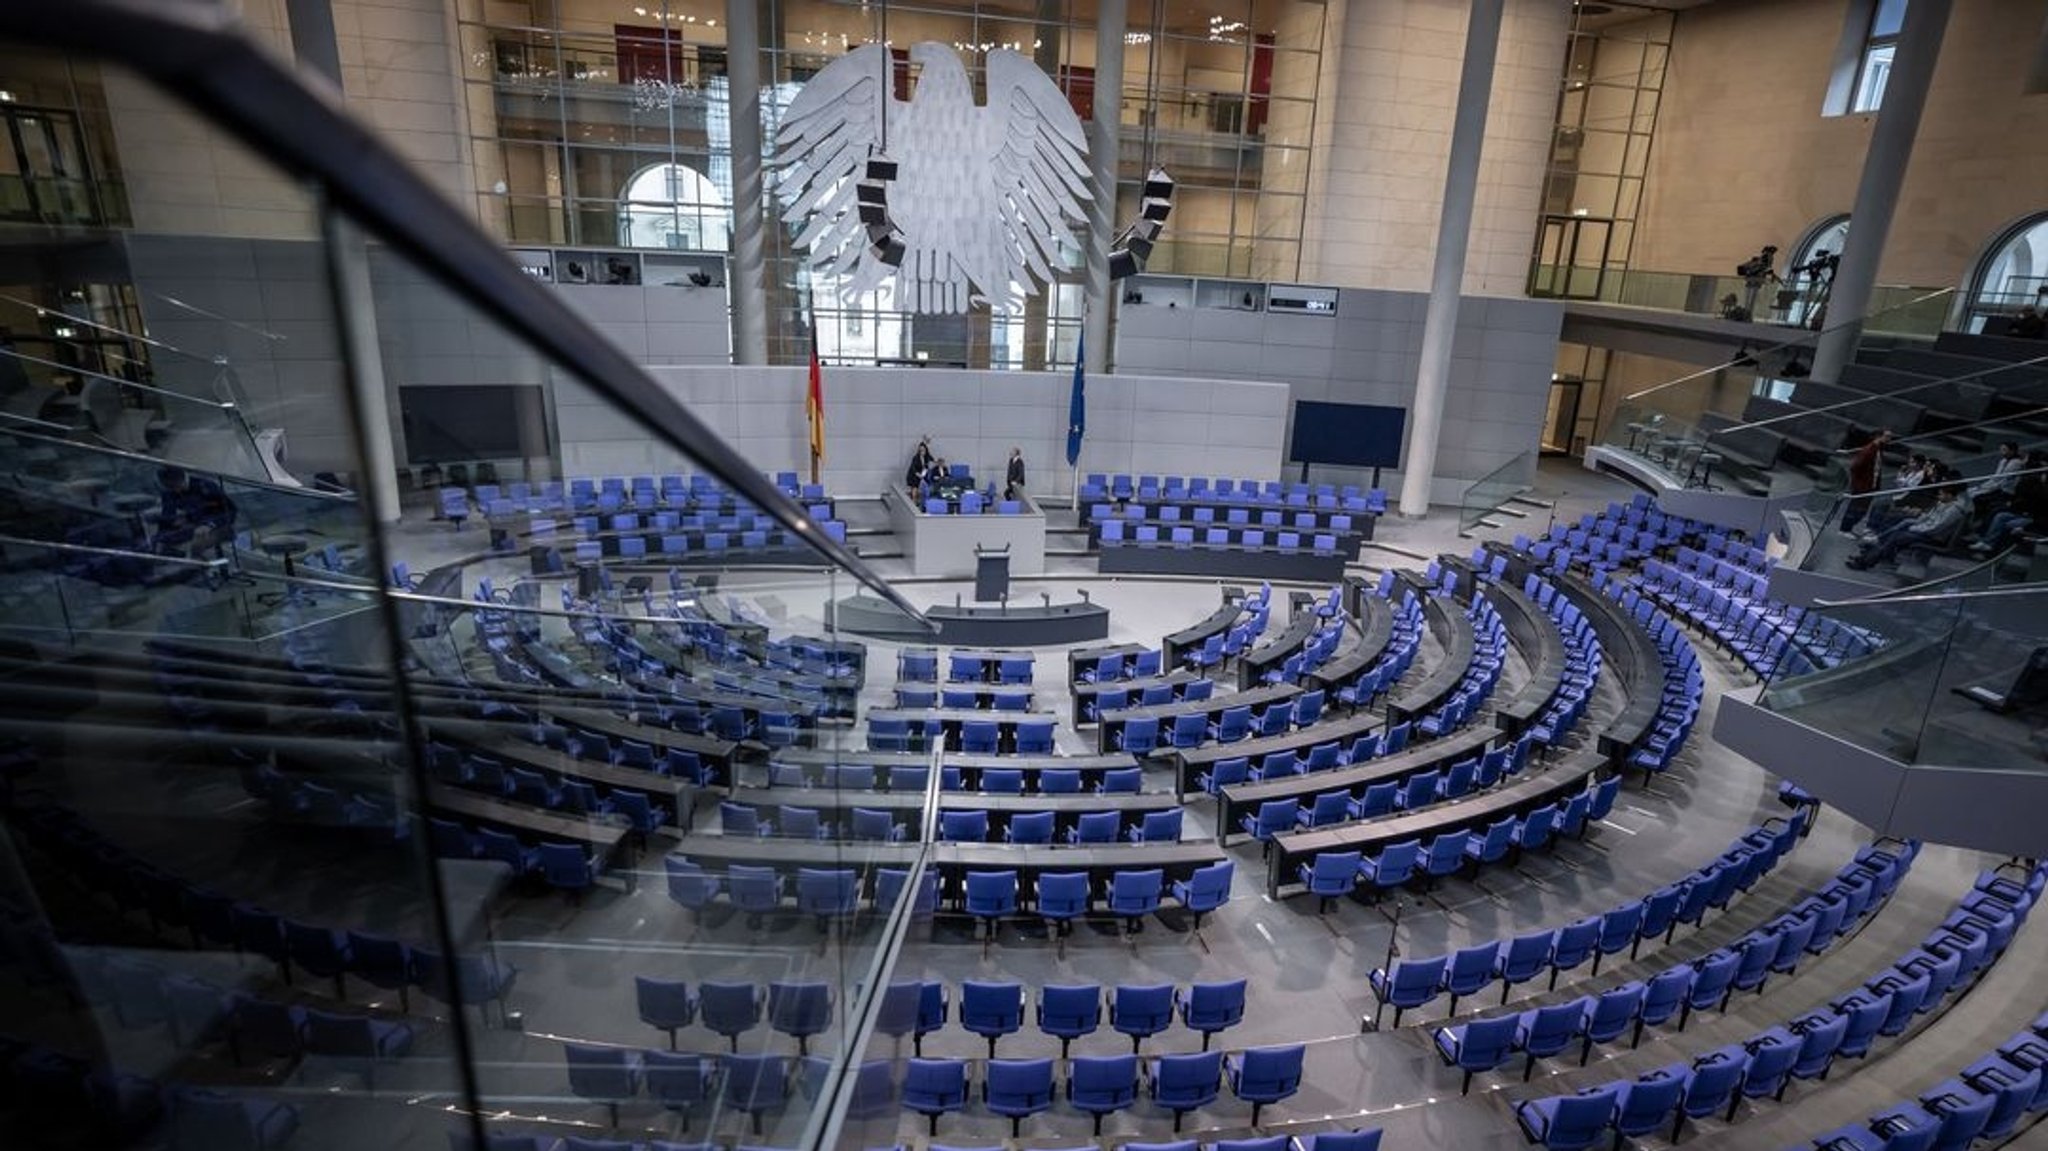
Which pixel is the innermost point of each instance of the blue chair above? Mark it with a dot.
(1017, 1089)
(1029, 827)
(1135, 894)
(800, 1010)
(1068, 1012)
(980, 737)
(1329, 807)
(689, 886)
(1096, 827)
(1546, 1031)
(756, 891)
(1608, 1015)
(1570, 1122)
(1524, 958)
(1211, 1007)
(1121, 781)
(1480, 1045)
(680, 1082)
(1034, 737)
(729, 1009)
(1189, 730)
(991, 1010)
(1713, 1085)
(665, 1004)
(1274, 817)
(1141, 1010)
(1330, 876)
(1392, 867)
(990, 895)
(1648, 1102)
(1771, 1056)
(1183, 1083)
(966, 826)
(1469, 969)
(1158, 827)
(1101, 1085)
(1411, 983)
(1063, 896)
(1205, 891)
(1572, 945)
(607, 1075)
(1139, 735)
(568, 866)
(210, 1120)
(754, 1084)
(1263, 1075)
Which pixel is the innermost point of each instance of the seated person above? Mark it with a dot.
(1991, 493)
(2028, 325)
(2029, 506)
(196, 514)
(1930, 527)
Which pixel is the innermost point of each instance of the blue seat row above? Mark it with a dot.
(977, 736)
(1412, 983)
(1103, 1085)
(1120, 486)
(1207, 515)
(796, 1008)
(1765, 1065)
(1147, 535)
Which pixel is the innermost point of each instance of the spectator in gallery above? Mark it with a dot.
(1013, 480)
(1930, 528)
(2028, 325)
(1990, 493)
(936, 474)
(1863, 473)
(195, 515)
(2028, 506)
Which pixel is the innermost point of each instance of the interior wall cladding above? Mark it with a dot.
(874, 416)
(1367, 353)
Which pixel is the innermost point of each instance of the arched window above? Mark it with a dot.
(674, 206)
(2012, 274)
(1806, 277)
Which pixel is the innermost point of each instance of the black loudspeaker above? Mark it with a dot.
(1138, 247)
(881, 168)
(1122, 264)
(587, 585)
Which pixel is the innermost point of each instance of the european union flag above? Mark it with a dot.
(1077, 407)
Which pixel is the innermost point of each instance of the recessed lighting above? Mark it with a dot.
(6, 97)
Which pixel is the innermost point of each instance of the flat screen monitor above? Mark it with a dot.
(1347, 435)
(466, 421)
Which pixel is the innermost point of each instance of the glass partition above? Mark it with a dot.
(1493, 489)
(527, 808)
(1922, 678)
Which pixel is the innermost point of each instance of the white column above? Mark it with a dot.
(1454, 230)
(747, 275)
(1877, 195)
(1104, 149)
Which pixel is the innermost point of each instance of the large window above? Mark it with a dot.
(2013, 275)
(1875, 67)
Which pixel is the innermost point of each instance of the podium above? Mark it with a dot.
(991, 574)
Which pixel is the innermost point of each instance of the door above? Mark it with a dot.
(1571, 257)
(1561, 416)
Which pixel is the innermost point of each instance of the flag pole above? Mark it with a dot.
(1077, 417)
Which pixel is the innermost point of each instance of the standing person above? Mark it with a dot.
(1863, 469)
(1013, 482)
(1929, 528)
(920, 464)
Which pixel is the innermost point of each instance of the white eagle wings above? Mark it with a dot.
(984, 194)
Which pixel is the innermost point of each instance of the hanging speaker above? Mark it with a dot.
(1139, 247)
(1123, 264)
(881, 167)
(1158, 185)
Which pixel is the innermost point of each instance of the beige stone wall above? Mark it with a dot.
(401, 74)
(1743, 156)
(1383, 139)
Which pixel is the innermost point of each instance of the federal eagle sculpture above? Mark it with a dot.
(985, 195)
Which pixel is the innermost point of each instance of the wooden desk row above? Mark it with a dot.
(821, 766)
(1234, 801)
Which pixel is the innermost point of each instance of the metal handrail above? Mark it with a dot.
(196, 51)
(160, 462)
(1966, 377)
(1910, 595)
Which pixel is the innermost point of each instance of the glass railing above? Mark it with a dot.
(168, 403)
(438, 821)
(1755, 424)
(1895, 309)
(1929, 677)
(1486, 494)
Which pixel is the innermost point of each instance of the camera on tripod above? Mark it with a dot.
(1758, 267)
(1822, 264)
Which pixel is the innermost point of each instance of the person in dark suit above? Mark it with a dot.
(920, 465)
(1013, 481)
(196, 514)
